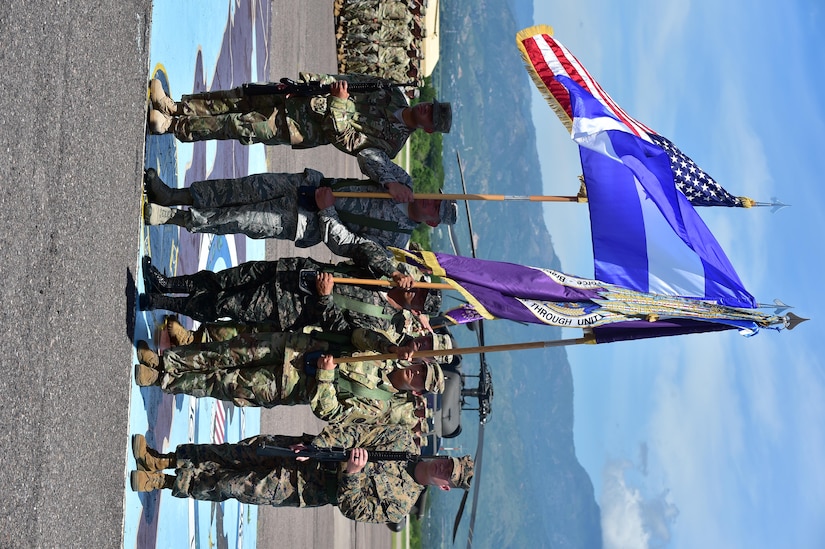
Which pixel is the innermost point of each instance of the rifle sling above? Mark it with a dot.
(361, 391)
(369, 309)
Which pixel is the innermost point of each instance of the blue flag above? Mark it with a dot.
(646, 235)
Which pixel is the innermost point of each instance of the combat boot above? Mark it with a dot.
(158, 283)
(146, 376)
(158, 122)
(177, 333)
(148, 481)
(155, 214)
(160, 193)
(151, 301)
(147, 356)
(160, 101)
(149, 459)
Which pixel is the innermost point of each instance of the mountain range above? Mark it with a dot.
(533, 490)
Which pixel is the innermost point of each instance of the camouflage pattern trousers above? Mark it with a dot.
(263, 205)
(217, 472)
(268, 119)
(247, 370)
(246, 293)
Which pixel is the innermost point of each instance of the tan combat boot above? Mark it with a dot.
(149, 459)
(159, 122)
(177, 333)
(160, 101)
(148, 481)
(146, 376)
(147, 356)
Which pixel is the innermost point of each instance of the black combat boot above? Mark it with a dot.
(156, 282)
(160, 193)
(201, 307)
(150, 301)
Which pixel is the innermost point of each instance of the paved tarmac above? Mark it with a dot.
(71, 143)
(312, 48)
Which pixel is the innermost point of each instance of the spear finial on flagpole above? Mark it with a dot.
(791, 320)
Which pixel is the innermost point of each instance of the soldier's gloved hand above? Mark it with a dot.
(324, 198)
(403, 280)
(325, 362)
(324, 283)
(357, 460)
(339, 89)
(399, 192)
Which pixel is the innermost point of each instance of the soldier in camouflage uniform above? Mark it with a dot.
(274, 292)
(364, 491)
(381, 120)
(268, 206)
(276, 369)
(384, 57)
(362, 41)
(375, 13)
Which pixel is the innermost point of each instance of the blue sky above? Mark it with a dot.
(707, 440)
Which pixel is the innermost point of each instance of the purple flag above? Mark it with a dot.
(542, 296)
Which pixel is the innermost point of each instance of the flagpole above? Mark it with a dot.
(440, 196)
(390, 283)
(587, 339)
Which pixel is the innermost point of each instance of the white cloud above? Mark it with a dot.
(622, 525)
(629, 519)
(696, 436)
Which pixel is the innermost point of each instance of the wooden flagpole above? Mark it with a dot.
(390, 283)
(587, 339)
(489, 197)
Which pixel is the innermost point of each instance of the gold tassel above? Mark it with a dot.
(747, 202)
(522, 35)
(582, 195)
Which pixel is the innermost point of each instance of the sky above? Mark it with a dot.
(711, 440)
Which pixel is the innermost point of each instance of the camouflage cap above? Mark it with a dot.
(448, 211)
(442, 116)
(442, 342)
(463, 469)
(434, 382)
(432, 303)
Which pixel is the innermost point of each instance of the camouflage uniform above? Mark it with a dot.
(267, 206)
(381, 492)
(269, 291)
(364, 121)
(384, 57)
(361, 40)
(267, 370)
(379, 14)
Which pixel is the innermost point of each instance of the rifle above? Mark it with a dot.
(333, 454)
(308, 89)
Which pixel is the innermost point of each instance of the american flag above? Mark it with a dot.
(545, 58)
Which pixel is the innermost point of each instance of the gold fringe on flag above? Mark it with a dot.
(523, 35)
(747, 202)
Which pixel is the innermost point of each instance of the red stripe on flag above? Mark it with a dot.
(581, 76)
(573, 68)
(539, 63)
